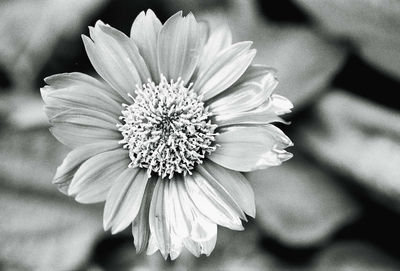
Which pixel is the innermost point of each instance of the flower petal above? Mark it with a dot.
(95, 177)
(140, 225)
(201, 247)
(251, 148)
(77, 135)
(210, 203)
(85, 117)
(123, 44)
(219, 39)
(115, 58)
(77, 127)
(78, 90)
(178, 47)
(159, 226)
(124, 199)
(234, 184)
(200, 228)
(75, 158)
(252, 89)
(227, 67)
(144, 32)
(281, 105)
(264, 114)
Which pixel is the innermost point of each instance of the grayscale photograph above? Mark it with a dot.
(199, 135)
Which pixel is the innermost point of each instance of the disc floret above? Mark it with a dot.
(167, 128)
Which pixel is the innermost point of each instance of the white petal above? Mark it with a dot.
(124, 199)
(234, 183)
(127, 48)
(201, 247)
(159, 226)
(210, 203)
(95, 177)
(178, 47)
(200, 228)
(75, 158)
(140, 225)
(219, 39)
(281, 105)
(77, 127)
(85, 117)
(77, 90)
(264, 114)
(77, 135)
(227, 67)
(250, 91)
(115, 58)
(251, 148)
(144, 32)
(152, 246)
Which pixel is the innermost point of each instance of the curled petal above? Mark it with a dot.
(95, 177)
(178, 47)
(124, 199)
(76, 158)
(227, 67)
(144, 32)
(251, 148)
(280, 105)
(251, 90)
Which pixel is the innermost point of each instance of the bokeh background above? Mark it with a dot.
(334, 206)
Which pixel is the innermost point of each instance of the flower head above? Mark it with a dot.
(162, 138)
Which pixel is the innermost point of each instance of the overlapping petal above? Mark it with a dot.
(94, 178)
(72, 162)
(227, 67)
(124, 199)
(78, 90)
(251, 148)
(144, 32)
(116, 59)
(76, 127)
(178, 47)
(211, 204)
(231, 183)
(252, 89)
(219, 39)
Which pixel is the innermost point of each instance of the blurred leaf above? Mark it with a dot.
(23, 112)
(29, 159)
(354, 255)
(299, 204)
(360, 139)
(43, 233)
(31, 29)
(373, 25)
(305, 62)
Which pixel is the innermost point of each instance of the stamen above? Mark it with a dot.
(167, 129)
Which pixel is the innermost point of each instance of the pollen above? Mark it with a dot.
(167, 128)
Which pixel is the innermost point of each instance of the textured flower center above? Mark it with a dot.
(167, 128)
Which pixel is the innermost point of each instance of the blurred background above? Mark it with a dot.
(334, 206)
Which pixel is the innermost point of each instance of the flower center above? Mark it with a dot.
(167, 128)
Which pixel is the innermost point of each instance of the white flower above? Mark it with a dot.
(163, 139)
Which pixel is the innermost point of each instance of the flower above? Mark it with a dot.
(163, 139)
